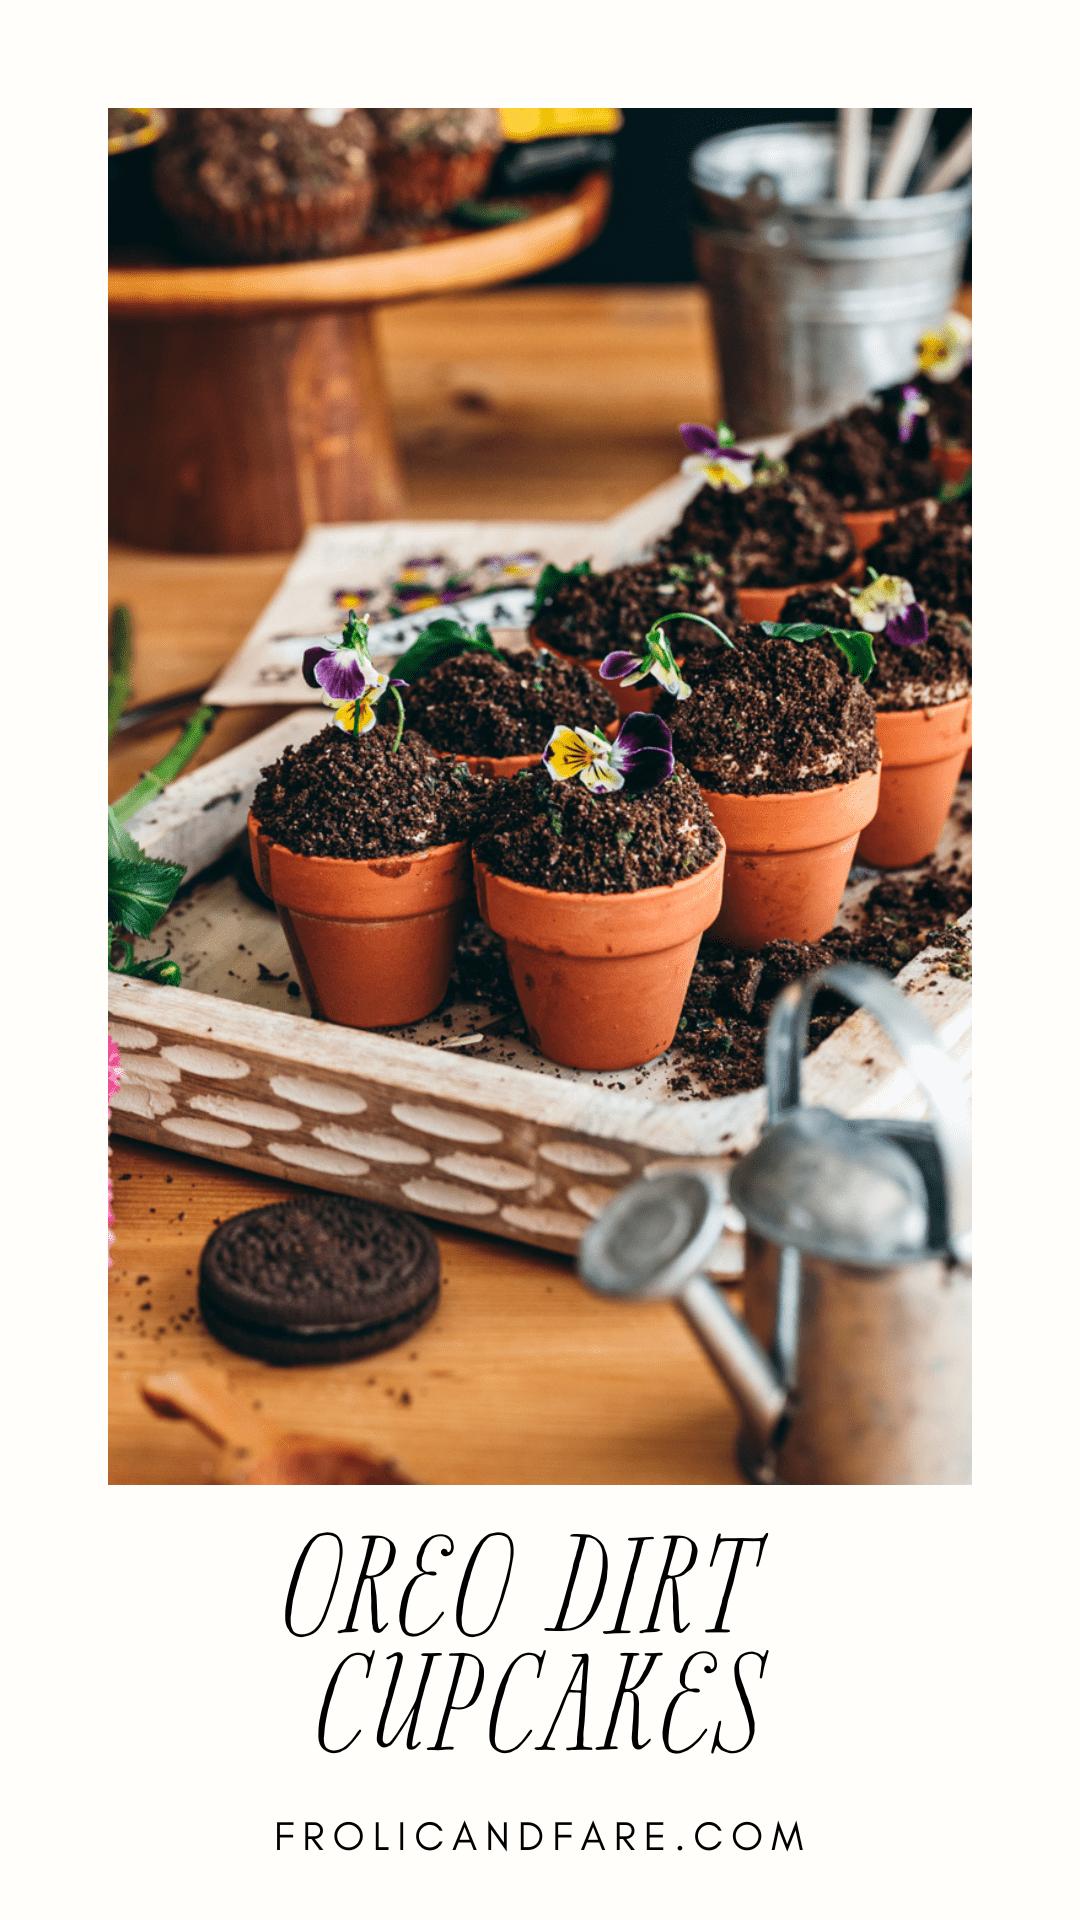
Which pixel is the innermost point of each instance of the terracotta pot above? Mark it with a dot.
(922, 752)
(493, 769)
(866, 527)
(789, 856)
(601, 977)
(952, 462)
(373, 940)
(628, 699)
(766, 603)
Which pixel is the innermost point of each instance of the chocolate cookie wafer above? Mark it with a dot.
(318, 1279)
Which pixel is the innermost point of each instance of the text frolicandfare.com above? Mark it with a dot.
(472, 1835)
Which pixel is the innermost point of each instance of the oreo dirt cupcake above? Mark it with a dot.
(429, 158)
(769, 529)
(496, 709)
(600, 870)
(929, 544)
(360, 837)
(268, 183)
(780, 735)
(581, 615)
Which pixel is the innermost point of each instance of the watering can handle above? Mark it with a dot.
(918, 1047)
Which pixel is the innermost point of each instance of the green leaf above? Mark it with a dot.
(121, 844)
(442, 640)
(140, 890)
(553, 577)
(856, 647)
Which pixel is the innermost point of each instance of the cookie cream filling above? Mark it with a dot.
(920, 693)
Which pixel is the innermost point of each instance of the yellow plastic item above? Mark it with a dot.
(546, 123)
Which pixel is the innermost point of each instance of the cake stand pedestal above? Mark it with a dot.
(247, 403)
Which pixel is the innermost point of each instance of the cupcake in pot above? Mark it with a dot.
(496, 710)
(600, 870)
(268, 183)
(429, 158)
(929, 544)
(581, 615)
(771, 530)
(780, 734)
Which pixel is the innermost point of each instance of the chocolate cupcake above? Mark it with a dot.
(503, 704)
(772, 716)
(781, 530)
(429, 158)
(929, 543)
(861, 461)
(589, 615)
(268, 183)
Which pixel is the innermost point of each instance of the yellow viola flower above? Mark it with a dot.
(579, 753)
(942, 355)
(356, 716)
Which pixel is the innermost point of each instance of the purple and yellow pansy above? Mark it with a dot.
(638, 758)
(656, 658)
(350, 681)
(715, 456)
(888, 605)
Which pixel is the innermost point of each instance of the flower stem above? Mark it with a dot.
(401, 720)
(700, 618)
(157, 778)
(119, 664)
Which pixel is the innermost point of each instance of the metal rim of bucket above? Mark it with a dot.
(906, 207)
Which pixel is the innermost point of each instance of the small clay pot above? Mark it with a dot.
(766, 603)
(865, 528)
(601, 977)
(922, 752)
(493, 769)
(373, 940)
(639, 699)
(952, 462)
(788, 859)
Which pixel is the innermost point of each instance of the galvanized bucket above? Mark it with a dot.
(815, 305)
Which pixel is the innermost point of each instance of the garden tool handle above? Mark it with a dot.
(921, 1052)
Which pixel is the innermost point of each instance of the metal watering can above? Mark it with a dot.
(853, 1362)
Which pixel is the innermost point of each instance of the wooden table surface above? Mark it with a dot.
(560, 402)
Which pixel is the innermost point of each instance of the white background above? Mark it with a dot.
(916, 1713)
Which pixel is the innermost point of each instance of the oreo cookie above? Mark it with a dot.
(318, 1279)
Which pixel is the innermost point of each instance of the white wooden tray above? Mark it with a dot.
(233, 1067)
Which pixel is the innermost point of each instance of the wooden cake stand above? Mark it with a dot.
(247, 403)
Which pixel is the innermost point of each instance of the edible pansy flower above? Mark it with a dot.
(888, 605)
(638, 758)
(350, 681)
(912, 405)
(943, 355)
(656, 658)
(344, 672)
(715, 456)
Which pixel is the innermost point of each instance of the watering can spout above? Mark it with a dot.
(739, 1359)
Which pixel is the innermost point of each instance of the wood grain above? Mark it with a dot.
(521, 1377)
(367, 279)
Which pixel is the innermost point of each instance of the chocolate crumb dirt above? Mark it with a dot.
(926, 675)
(504, 704)
(557, 835)
(929, 544)
(859, 460)
(599, 613)
(772, 715)
(775, 533)
(350, 798)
